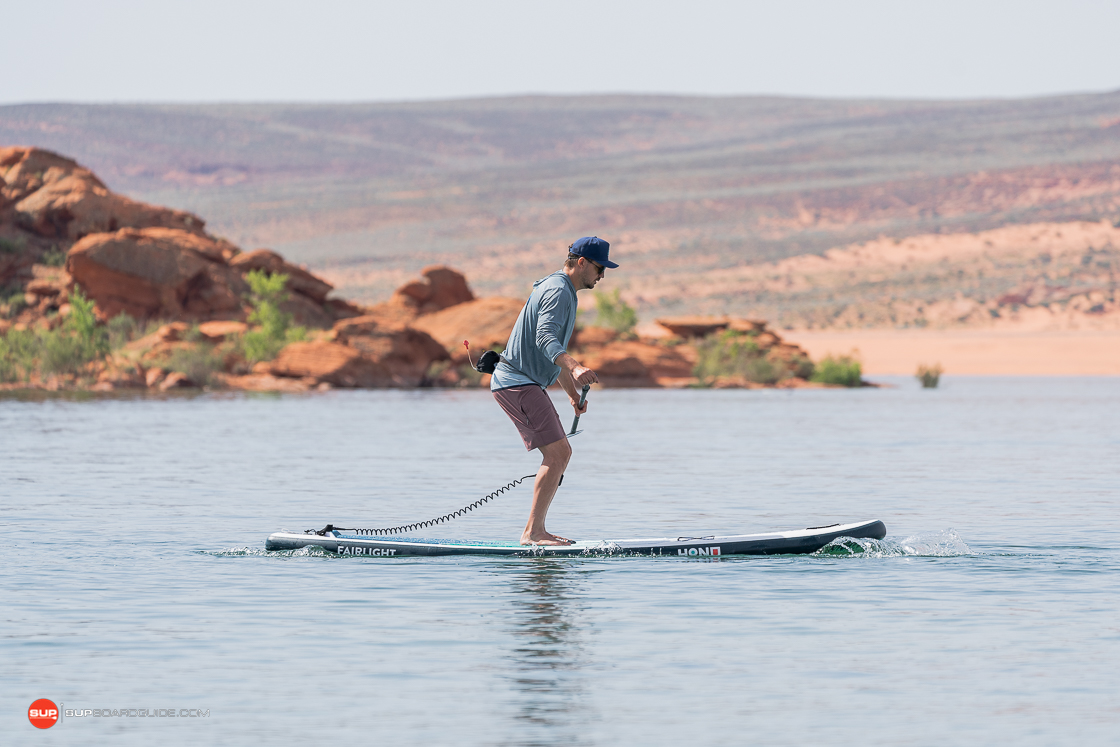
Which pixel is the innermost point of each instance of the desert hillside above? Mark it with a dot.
(367, 195)
(100, 291)
(1036, 276)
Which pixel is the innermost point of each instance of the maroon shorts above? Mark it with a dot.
(532, 412)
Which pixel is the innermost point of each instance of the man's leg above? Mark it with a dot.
(556, 456)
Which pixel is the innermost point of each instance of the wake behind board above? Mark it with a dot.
(771, 543)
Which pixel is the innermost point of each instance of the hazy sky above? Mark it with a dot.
(339, 50)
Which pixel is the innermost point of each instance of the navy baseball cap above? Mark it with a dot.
(594, 249)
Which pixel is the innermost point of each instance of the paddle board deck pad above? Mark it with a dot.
(771, 543)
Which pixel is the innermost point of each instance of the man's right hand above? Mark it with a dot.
(584, 376)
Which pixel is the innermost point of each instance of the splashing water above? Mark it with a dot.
(311, 551)
(944, 544)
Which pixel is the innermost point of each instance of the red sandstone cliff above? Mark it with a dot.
(153, 263)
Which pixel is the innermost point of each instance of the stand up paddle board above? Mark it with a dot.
(772, 543)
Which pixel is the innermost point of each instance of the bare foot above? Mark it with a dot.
(545, 538)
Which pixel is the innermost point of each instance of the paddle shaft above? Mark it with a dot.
(582, 399)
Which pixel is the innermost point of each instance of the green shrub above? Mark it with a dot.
(10, 246)
(844, 370)
(274, 326)
(731, 353)
(65, 350)
(930, 376)
(12, 296)
(122, 330)
(78, 341)
(54, 257)
(614, 313)
(802, 367)
(198, 362)
(18, 354)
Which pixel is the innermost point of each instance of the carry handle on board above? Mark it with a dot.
(582, 399)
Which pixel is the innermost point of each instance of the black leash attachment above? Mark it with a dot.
(422, 524)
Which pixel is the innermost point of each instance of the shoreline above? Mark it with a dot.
(971, 352)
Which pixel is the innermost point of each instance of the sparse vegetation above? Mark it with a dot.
(54, 257)
(731, 353)
(198, 361)
(12, 301)
(122, 330)
(842, 370)
(274, 330)
(614, 313)
(10, 246)
(930, 376)
(67, 349)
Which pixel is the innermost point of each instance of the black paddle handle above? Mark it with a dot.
(582, 399)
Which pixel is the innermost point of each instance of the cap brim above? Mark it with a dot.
(609, 264)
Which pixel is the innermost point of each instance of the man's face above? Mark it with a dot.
(592, 272)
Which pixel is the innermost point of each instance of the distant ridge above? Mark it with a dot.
(371, 192)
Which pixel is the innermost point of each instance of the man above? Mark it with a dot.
(535, 357)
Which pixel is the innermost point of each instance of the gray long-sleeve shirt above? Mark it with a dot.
(541, 334)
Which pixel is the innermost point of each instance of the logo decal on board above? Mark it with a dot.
(694, 552)
(347, 550)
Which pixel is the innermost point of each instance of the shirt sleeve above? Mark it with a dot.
(552, 316)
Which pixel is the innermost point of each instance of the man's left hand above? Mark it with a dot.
(575, 406)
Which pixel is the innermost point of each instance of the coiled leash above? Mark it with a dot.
(465, 509)
(431, 522)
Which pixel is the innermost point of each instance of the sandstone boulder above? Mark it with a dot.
(342, 309)
(57, 198)
(405, 351)
(218, 331)
(176, 380)
(44, 287)
(631, 363)
(157, 273)
(393, 311)
(264, 382)
(694, 326)
(486, 322)
(330, 362)
(439, 288)
(299, 279)
(307, 312)
(585, 337)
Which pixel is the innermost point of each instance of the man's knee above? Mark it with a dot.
(557, 453)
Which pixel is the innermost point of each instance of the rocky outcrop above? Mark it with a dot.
(155, 263)
(157, 273)
(405, 351)
(438, 288)
(299, 280)
(693, 327)
(332, 363)
(54, 197)
(634, 363)
(485, 322)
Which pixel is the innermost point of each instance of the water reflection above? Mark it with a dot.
(548, 656)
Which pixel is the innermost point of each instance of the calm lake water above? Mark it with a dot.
(135, 575)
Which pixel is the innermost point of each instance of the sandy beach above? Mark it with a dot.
(983, 352)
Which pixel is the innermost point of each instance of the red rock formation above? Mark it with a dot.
(405, 351)
(486, 322)
(341, 309)
(634, 363)
(330, 362)
(54, 197)
(440, 288)
(299, 279)
(157, 273)
(218, 331)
